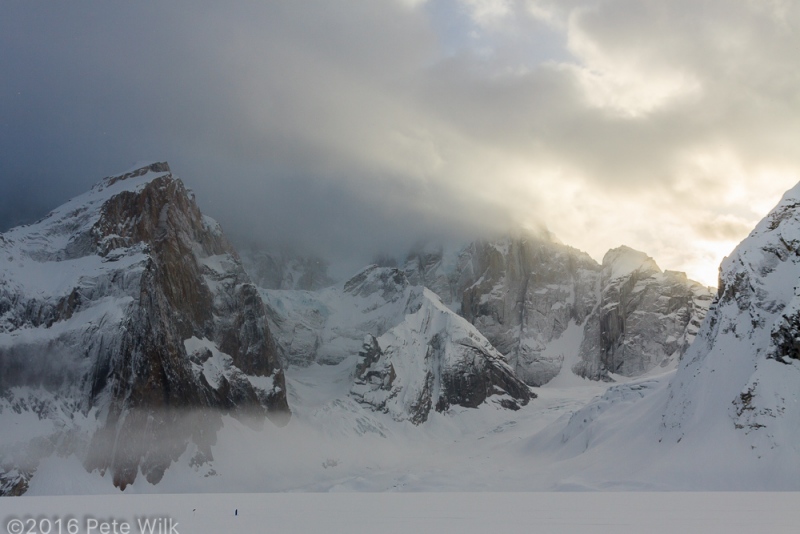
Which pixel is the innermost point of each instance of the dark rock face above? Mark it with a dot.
(368, 356)
(175, 310)
(786, 339)
(527, 294)
(646, 318)
(14, 483)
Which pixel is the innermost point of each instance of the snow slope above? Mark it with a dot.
(744, 371)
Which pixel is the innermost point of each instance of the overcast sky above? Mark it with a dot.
(352, 128)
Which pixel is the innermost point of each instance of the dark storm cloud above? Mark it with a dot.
(277, 114)
(351, 128)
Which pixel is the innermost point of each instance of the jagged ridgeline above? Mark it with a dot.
(542, 303)
(127, 319)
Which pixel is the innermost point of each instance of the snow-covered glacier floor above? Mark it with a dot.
(335, 444)
(339, 467)
(443, 513)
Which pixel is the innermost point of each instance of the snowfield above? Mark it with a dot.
(443, 513)
(341, 468)
(579, 436)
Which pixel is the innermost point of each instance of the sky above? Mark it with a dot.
(353, 128)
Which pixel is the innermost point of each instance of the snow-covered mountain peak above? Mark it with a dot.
(130, 304)
(149, 170)
(71, 230)
(413, 354)
(767, 260)
(623, 261)
(744, 368)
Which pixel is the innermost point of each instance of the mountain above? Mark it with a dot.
(414, 354)
(645, 319)
(744, 368)
(728, 417)
(127, 327)
(539, 301)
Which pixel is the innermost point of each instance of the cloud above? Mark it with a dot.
(489, 12)
(347, 128)
(724, 228)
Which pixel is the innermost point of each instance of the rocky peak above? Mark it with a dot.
(523, 293)
(624, 261)
(138, 170)
(138, 298)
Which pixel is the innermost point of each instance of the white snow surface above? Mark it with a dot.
(443, 513)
